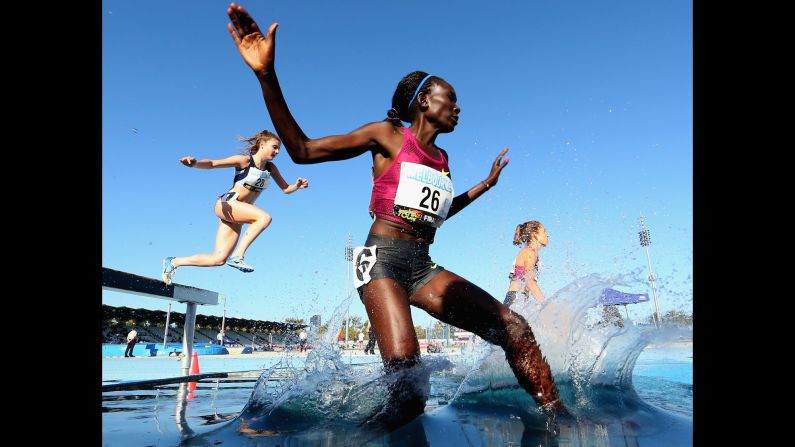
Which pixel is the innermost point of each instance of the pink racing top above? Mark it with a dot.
(382, 200)
(520, 274)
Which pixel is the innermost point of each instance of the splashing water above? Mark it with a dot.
(592, 361)
(325, 391)
(586, 355)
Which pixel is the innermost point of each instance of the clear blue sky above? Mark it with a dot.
(594, 100)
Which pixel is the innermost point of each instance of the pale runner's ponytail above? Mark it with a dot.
(525, 232)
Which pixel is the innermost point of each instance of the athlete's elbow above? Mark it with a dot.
(300, 158)
(299, 154)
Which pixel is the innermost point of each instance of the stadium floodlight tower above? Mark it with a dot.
(348, 266)
(645, 241)
(223, 322)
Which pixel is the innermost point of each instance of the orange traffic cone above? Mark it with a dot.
(194, 363)
(194, 369)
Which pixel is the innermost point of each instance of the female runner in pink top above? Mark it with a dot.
(524, 274)
(412, 196)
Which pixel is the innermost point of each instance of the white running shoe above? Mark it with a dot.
(237, 262)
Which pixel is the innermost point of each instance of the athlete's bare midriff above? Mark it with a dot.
(388, 228)
(244, 194)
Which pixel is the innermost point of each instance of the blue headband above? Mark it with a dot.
(417, 91)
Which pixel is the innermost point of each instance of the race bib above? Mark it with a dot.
(424, 195)
(364, 259)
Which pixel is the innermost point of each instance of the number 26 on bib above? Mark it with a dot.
(424, 195)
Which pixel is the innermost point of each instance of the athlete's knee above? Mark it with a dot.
(264, 219)
(217, 260)
(516, 327)
(400, 349)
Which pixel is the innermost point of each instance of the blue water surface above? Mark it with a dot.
(662, 378)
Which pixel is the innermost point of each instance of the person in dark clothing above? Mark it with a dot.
(370, 348)
(132, 338)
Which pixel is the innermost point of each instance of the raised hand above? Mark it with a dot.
(302, 183)
(188, 161)
(257, 50)
(496, 168)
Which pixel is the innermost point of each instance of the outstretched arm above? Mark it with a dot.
(301, 183)
(237, 161)
(461, 201)
(259, 53)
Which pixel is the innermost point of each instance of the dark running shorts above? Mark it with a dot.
(407, 262)
(228, 196)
